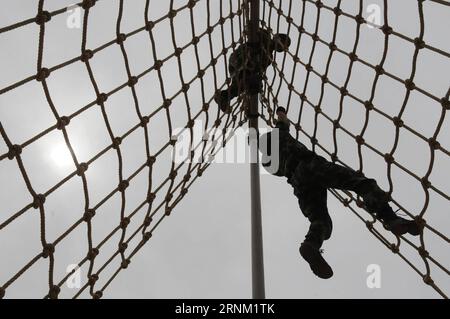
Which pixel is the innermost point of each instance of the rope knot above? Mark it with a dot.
(353, 56)
(387, 30)
(360, 140)
(42, 74)
(47, 250)
(54, 292)
(158, 65)
(63, 121)
(92, 279)
(151, 160)
(125, 222)
(86, 55)
(445, 102)
(334, 157)
(14, 151)
(121, 38)
(410, 85)
(427, 279)
(92, 254)
(167, 103)
(419, 43)
(336, 124)
(172, 14)
(423, 252)
(332, 46)
(185, 88)
(178, 52)
(116, 142)
(201, 73)
(360, 19)
(191, 4)
(169, 197)
(124, 264)
(147, 221)
(151, 197)
(379, 69)
(433, 143)
(133, 81)
(173, 174)
(190, 124)
(88, 215)
(88, 4)
(398, 122)
(303, 97)
(82, 168)
(43, 17)
(98, 295)
(149, 26)
(337, 11)
(144, 121)
(394, 248)
(369, 106)
(102, 98)
(123, 185)
(359, 203)
(425, 182)
(123, 247)
(389, 158)
(147, 236)
(38, 201)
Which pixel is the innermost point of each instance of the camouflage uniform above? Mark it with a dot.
(311, 175)
(248, 63)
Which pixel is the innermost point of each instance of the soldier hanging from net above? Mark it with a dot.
(311, 175)
(248, 63)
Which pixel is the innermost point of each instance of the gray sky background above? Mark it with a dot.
(203, 249)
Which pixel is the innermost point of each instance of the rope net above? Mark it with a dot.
(191, 100)
(174, 85)
(310, 89)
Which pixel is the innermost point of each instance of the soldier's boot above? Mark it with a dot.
(377, 203)
(400, 226)
(319, 266)
(223, 99)
(311, 252)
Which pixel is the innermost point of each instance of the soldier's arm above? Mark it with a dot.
(283, 121)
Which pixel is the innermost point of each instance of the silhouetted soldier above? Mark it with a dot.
(248, 63)
(311, 175)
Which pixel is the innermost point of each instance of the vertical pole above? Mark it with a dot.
(256, 220)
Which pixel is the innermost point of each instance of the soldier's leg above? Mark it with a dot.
(330, 175)
(313, 204)
(224, 97)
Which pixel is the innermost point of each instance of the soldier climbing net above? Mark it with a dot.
(302, 79)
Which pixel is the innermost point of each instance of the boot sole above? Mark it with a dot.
(316, 262)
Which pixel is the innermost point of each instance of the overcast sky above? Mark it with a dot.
(203, 249)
